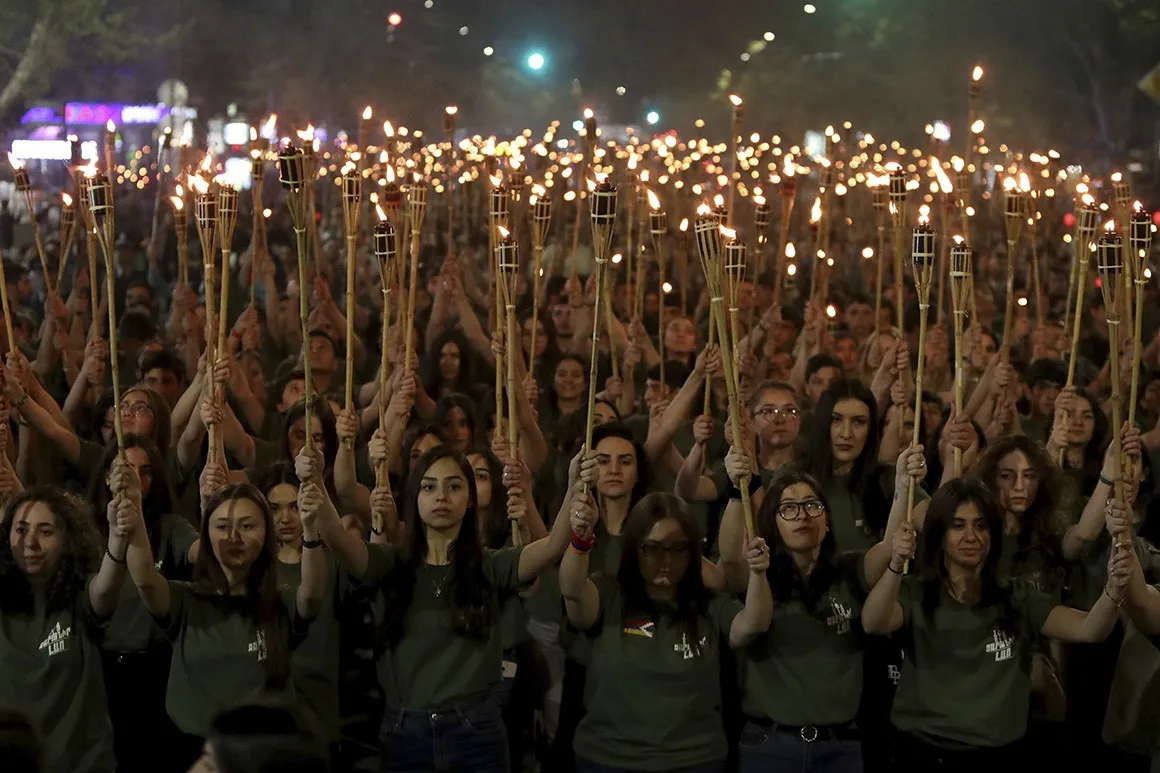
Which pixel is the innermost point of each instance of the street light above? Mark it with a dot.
(536, 61)
(653, 118)
(395, 19)
(810, 8)
(488, 51)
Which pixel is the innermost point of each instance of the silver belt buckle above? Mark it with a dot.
(809, 733)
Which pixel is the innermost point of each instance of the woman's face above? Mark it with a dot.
(137, 414)
(297, 435)
(541, 337)
(36, 540)
(1081, 423)
(444, 495)
(139, 460)
(458, 429)
(237, 533)
(968, 541)
(616, 467)
(801, 519)
(423, 444)
(569, 381)
(482, 472)
(849, 429)
(603, 413)
(680, 337)
(449, 362)
(283, 500)
(664, 554)
(1018, 483)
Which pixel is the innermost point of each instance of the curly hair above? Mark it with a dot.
(80, 554)
(1039, 548)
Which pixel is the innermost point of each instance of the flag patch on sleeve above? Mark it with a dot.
(639, 628)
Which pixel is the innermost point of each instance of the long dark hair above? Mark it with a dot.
(449, 402)
(784, 578)
(262, 600)
(411, 437)
(616, 429)
(940, 518)
(80, 552)
(494, 527)
(162, 433)
(692, 596)
(472, 612)
(159, 502)
(1093, 451)
(551, 390)
(431, 375)
(321, 409)
(1039, 547)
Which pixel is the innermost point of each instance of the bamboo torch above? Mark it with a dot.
(24, 186)
(1030, 201)
(508, 262)
(603, 209)
(416, 212)
(450, 121)
(880, 190)
(101, 205)
(1140, 245)
(1122, 188)
(292, 175)
(181, 229)
(1013, 202)
(257, 184)
(735, 254)
(947, 189)
(541, 223)
(923, 254)
(960, 285)
(1111, 268)
(500, 203)
(1085, 234)
(738, 123)
(84, 176)
(659, 229)
(898, 216)
(709, 232)
(68, 233)
(386, 251)
(227, 220)
(589, 146)
(966, 183)
(788, 190)
(351, 209)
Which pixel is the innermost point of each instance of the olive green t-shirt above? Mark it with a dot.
(807, 668)
(50, 669)
(1089, 575)
(852, 531)
(966, 682)
(219, 654)
(131, 629)
(433, 667)
(653, 696)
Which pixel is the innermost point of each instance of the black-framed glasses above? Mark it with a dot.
(774, 412)
(658, 550)
(796, 511)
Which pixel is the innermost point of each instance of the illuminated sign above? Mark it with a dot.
(51, 150)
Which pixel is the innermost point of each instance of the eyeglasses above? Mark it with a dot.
(657, 551)
(769, 412)
(135, 409)
(793, 511)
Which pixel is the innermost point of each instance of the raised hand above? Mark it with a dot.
(757, 556)
(911, 466)
(738, 464)
(703, 428)
(583, 516)
(311, 500)
(346, 425)
(903, 547)
(308, 464)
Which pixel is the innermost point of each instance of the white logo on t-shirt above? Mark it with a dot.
(840, 619)
(687, 652)
(1001, 645)
(57, 641)
(258, 645)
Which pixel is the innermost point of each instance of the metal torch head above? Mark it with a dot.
(898, 188)
(1110, 261)
(658, 223)
(351, 187)
(735, 253)
(100, 195)
(206, 206)
(292, 168)
(507, 256)
(708, 233)
(386, 248)
(23, 183)
(1141, 237)
(603, 205)
(227, 201)
(500, 204)
(761, 216)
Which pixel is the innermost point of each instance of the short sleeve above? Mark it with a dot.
(852, 572)
(381, 560)
(172, 623)
(723, 609)
(608, 589)
(179, 536)
(1033, 604)
(909, 595)
(502, 569)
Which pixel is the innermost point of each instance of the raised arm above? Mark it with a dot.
(353, 497)
(312, 589)
(1080, 535)
(547, 551)
(661, 433)
(882, 614)
(123, 513)
(732, 538)
(581, 596)
(754, 619)
(349, 550)
(1095, 625)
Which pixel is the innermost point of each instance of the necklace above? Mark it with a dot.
(438, 586)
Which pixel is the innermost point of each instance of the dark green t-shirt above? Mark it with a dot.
(50, 669)
(807, 668)
(853, 531)
(966, 682)
(219, 654)
(653, 697)
(432, 666)
(131, 628)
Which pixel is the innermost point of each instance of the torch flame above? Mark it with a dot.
(89, 170)
(944, 182)
(703, 210)
(178, 203)
(268, 126)
(451, 109)
(253, 135)
(924, 215)
(496, 180)
(1118, 177)
(588, 114)
(367, 113)
(719, 201)
(15, 162)
(789, 168)
(179, 191)
(977, 75)
(68, 201)
(348, 167)
(759, 200)
(503, 232)
(198, 184)
(790, 250)
(816, 211)
(831, 311)
(1110, 226)
(978, 126)
(379, 210)
(1009, 184)
(388, 129)
(684, 224)
(390, 174)
(655, 203)
(728, 233)
(307, 134)
(1024, 182)
(958, 164)
(110, 127)
(1088, 200)
(206, 163)
(1137, 207)
(736, 100)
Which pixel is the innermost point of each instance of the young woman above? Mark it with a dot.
(441, 646)
(653, 692)
(449, 367)
(58, 588)
(1083, 438)
(802, 678)
(134, 654)
(566, 393)
(232, 628)
(456, 414)
(965, 691)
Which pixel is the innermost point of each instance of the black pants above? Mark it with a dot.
(135, 684)
(563, 756)
(913, 755)
(881, 665)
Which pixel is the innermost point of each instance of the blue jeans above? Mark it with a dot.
(469, 738)
(786, 750)
(583, 766)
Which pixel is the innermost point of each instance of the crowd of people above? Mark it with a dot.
(233, 589)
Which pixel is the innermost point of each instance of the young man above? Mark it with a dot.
(1042, 383)
(822, 370)
(164, 373)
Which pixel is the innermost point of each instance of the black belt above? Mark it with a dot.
(810, 733)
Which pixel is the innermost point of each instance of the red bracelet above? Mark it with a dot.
(582, 544)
